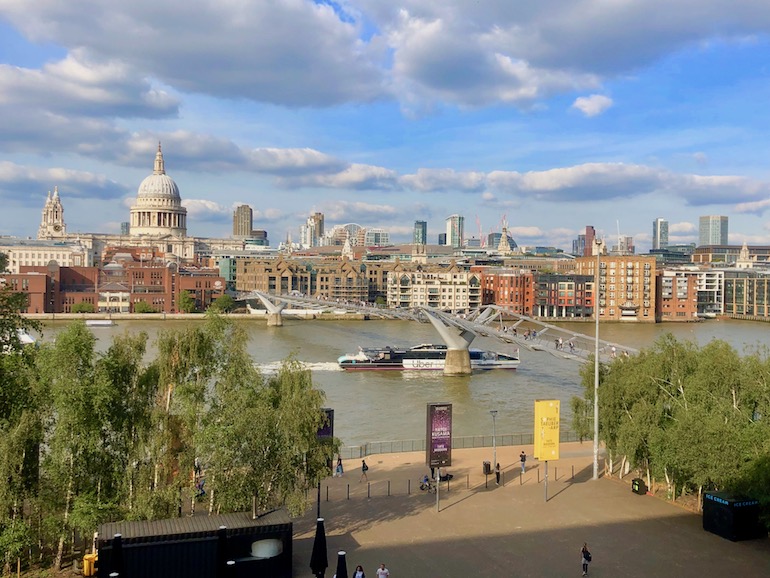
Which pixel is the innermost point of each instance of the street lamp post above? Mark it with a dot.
(597, 245)
(493, 412)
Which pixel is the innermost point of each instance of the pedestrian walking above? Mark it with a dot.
(585, 558)
(383, 572)
(339, 471)
(359, 572)
(523, 460)
(497, 473)
(364, 469)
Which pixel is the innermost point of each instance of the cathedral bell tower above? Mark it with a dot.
(52, 224)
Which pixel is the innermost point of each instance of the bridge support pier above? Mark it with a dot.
(458, 358)
(274, 317)
(458, 362)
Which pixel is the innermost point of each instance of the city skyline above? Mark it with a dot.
(390, 113)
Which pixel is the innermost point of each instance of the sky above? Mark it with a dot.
(549, 116)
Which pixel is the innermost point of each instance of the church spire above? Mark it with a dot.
(56, 191)
(160, 167)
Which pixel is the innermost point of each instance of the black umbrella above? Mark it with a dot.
(342, 567)
(319, 562)
(222, 552)
(117, 555)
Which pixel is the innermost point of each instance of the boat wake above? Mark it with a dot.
(273, 366)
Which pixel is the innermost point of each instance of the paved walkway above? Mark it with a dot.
(483, 530)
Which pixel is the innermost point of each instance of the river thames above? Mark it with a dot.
(390, 405)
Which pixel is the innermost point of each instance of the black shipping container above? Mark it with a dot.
(195, 546)
(732, 517)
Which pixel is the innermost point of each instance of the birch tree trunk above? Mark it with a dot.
(63, 535)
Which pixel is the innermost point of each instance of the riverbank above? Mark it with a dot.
(118, 317)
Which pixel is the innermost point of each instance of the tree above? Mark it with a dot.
(83, 307)
(223, 304)
(143, 307)
(80, 458)
(186, 302)
(260, 438)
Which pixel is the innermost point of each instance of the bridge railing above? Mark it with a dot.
(458, 442)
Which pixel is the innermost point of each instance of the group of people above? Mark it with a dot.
(382, 572)
(339, 470)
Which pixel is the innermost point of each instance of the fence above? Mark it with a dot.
(458, 443)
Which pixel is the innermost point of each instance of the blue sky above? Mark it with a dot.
(551, 115)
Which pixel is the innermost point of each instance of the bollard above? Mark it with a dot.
(327, 493)
(573, 473)
(503, 478)
(555, 473)
(388, 487)
(467, 481)
(348, 491)
(486, 481)
(538, 475)
(521, 480)
(368, 489)
(409, 487)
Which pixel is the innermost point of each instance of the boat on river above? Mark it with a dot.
(425, 356)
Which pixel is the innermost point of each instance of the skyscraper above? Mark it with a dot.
(659, 233)
(420, 233)
(712, 230)
(588, 247)
(454, 230)
(242, 221)
(312, 232)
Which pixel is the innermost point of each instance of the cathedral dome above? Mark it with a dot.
(158, 210)
(158, 184)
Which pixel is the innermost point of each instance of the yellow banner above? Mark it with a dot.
(547, 429)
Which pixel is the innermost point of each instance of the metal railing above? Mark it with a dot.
(458, 443)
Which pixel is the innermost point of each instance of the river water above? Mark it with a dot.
(391, 405)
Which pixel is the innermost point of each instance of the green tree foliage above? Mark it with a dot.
(223, 304)
(89, 437)
(83, 307)
(696, 417)
(143, 307)
(186, 303)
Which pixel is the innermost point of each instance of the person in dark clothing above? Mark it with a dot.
(497, 473)
(585, 558)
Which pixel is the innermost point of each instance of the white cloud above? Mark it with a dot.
(431, 180)
(28, 185)
(224, 48)
(355, 176)
(526, 232)
(683, 227)
(592, 105)
(205, 210)
(355, 211)
(756, 207)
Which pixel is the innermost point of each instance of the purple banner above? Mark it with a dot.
(327, 429)
(438, 442)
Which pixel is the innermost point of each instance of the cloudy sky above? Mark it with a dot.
(552, 115)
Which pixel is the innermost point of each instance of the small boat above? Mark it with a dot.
(99, 323)
(425, 356)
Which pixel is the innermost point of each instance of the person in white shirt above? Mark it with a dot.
(382, 572)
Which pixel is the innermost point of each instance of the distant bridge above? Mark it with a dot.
(491, 321)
